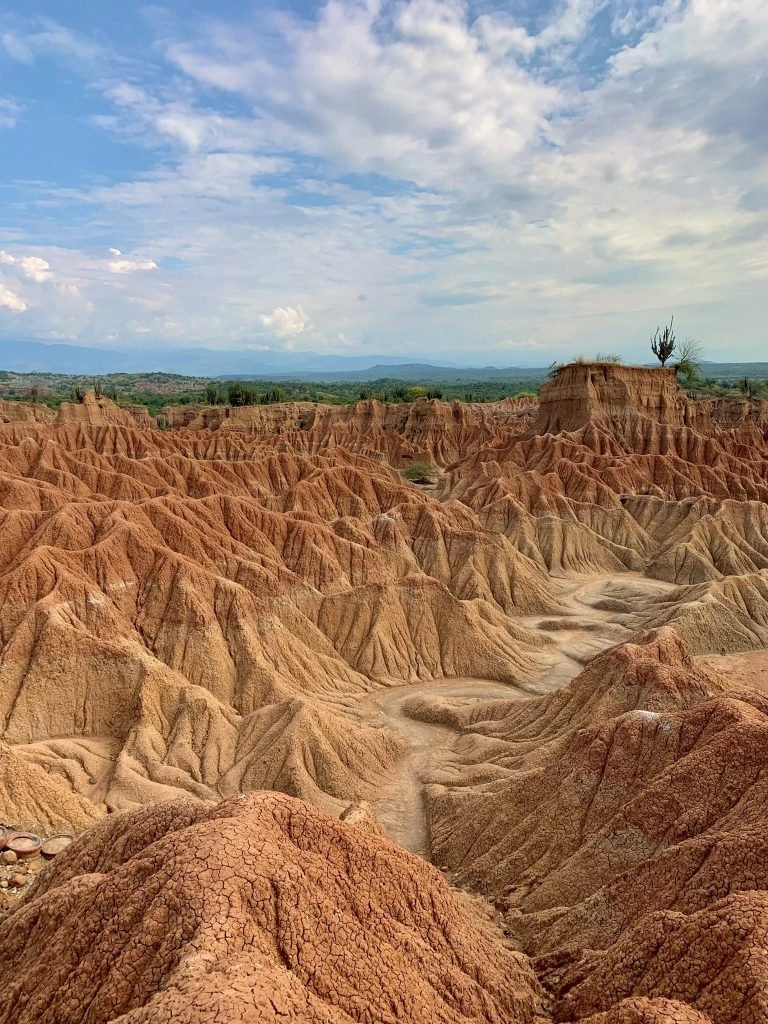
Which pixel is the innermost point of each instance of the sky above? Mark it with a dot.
(503, 183)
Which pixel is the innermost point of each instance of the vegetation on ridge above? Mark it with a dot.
(157, 390)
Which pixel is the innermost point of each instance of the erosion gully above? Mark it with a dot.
(579, 631)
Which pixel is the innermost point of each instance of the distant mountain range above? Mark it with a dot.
(422, 372)
(30, 356)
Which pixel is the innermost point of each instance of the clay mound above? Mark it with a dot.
(620, 823)
(588, 487)
(191, 744)
(256, 909)
(418, 630)
(721, 617)
(621, 471)
(24, 412)
(581, 394)
(710, 541)
(714, 961)
(32, 799)
(642, 1010)
(97, 411)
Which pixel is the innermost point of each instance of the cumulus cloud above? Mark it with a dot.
(122, 264)
(32, 267)
(10, 300)
(410, 90)
(589, 167)
(286, 323)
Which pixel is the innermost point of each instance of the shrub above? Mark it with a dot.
(751, 388)
(688, 365)
(420, 473)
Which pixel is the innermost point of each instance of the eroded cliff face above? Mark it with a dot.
(93, 411)
(439, 432)
(612, 394)
(581, 392)
(25, 412)
(190, 612)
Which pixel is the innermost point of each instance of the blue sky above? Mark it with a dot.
(505, 183)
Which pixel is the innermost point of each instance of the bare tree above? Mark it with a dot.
(663, 343)
(688, 363)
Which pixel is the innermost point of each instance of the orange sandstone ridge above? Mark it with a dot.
(511, 667)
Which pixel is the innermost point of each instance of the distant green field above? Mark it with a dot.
(734, 371)
(486, 384)
(156, 390)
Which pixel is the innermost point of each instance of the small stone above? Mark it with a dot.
(18, 880)
(3, 883)
(8, 857)
(35, 865)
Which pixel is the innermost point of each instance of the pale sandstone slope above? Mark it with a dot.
(168, 603)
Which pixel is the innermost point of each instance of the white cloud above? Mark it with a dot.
(9, 112)
(41, 37)
(286, 323)
(413, 93)
(16, 47)
(122, 264)
(222, 176)
(573, 179)
(10, 300)
(32, 267)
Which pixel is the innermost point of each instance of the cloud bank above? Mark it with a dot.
(526, 183)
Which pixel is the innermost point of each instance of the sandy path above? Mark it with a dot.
(579, 633)
(401, 810)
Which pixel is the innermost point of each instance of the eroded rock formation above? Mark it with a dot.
(256, 600)
(259, 909)
(620, 824)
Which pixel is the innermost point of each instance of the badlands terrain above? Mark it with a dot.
(340, 748)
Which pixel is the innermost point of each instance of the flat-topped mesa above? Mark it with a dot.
(608, 391)
(25, 412)
(95, 410)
